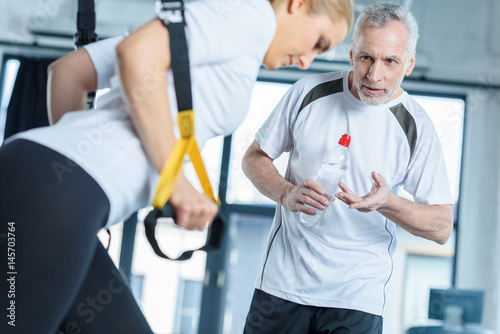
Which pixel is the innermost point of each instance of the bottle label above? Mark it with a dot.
(331, 172)
(329, 177)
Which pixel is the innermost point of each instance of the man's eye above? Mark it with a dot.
(365, 58)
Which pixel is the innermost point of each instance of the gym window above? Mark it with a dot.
(9, 68)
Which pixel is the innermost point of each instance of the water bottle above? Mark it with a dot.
(332, 171)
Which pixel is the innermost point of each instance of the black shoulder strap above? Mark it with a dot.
(85, 33)
(85, 24)
(171, 12)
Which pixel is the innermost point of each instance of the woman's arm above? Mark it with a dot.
(143, 61)
(70, 79)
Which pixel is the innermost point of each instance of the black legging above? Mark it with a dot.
(63, 278)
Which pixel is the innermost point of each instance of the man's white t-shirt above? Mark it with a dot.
(227, 43)
(348, 262)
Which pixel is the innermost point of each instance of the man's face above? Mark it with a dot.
(380, 63)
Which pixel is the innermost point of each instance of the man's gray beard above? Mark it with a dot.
(368, 100)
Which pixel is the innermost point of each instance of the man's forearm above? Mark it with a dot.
(433, 222)
(265, 177)
(306, 197)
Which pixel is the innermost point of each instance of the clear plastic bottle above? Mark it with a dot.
(335, 164)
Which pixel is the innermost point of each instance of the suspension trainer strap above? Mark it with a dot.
(85, 33)
(214, 237)
(85, 23)
(171, 12)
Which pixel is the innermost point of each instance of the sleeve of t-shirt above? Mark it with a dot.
(219, 31)
(103, 56)
(427, 178)
(276, 134)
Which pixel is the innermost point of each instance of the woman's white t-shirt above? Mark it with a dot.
(227, 41)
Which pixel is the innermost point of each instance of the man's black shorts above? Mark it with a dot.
(272, 315)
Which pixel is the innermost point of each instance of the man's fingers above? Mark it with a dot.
(311, 193)
(314, 203)
(356, 206)
(307, 210)
(313, 185)
(314, 199)
(348, 197)
(379, 179)
(343, 199)
(365, 204)
(346, 189)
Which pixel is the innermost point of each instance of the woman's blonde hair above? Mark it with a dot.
(334, 9)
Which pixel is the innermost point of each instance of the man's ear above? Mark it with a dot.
(411, 65)
(350, 58)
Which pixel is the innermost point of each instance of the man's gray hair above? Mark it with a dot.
(379, 15)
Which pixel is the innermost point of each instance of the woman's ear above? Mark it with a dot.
(295, 6)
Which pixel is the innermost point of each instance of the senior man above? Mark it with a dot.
(337, 277)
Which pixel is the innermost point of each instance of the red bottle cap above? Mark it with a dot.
(345, 140)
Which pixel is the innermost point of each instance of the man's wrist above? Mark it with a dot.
(285, 189)
(389, 203)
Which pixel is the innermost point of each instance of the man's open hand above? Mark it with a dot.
(377, 197)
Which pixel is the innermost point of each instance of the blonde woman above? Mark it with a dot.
(91, 169)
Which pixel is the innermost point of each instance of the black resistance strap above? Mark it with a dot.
(214, 237)
(171, 12)
(85, 33)
(85, 23)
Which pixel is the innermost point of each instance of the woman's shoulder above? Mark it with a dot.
(222, 30)
(238, 16)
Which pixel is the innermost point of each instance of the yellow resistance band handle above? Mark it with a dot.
(185, 145)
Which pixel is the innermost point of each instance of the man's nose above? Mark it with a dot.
(375, 72)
